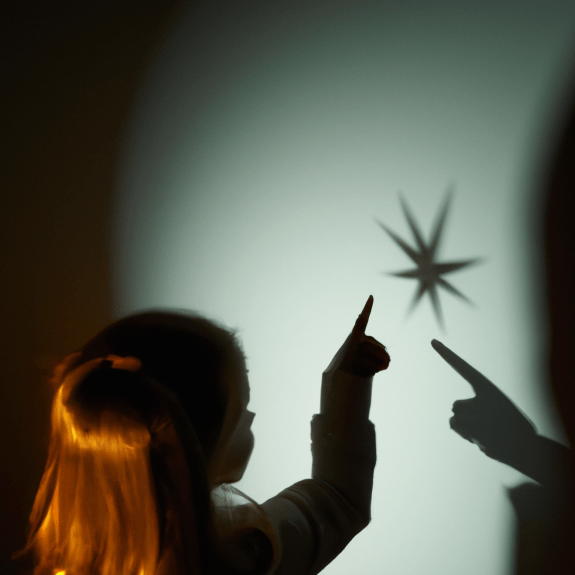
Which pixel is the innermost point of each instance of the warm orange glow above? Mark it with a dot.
(96, 503)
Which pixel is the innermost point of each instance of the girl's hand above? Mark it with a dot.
(361, 354)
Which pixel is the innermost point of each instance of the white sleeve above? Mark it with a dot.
(314, 520)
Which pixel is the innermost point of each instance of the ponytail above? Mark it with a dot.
(95, 510)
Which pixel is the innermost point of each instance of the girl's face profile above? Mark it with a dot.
(242, 440)
(239, 443)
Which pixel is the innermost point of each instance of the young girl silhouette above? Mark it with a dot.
(150, 427)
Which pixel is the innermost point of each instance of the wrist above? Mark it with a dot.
(345, 397)
(543, 460)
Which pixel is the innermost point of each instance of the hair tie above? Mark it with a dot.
(129, 363)
(68, 377)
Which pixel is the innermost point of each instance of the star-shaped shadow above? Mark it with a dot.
(428, 272)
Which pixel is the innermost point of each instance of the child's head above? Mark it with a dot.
(175, 410)
(203, 365)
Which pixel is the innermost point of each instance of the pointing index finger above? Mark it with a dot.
(478, 381)
(361, 322)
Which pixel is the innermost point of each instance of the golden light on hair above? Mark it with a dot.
(95, 509)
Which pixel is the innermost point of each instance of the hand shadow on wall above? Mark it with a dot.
(503, 432)
(545, 512)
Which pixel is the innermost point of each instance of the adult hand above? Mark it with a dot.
(490, 419)
(361, 354)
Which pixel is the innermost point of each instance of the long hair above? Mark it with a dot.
(125, 489)
(95, 510)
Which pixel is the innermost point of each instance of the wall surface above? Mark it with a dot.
(232, 161)
(267, 141)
